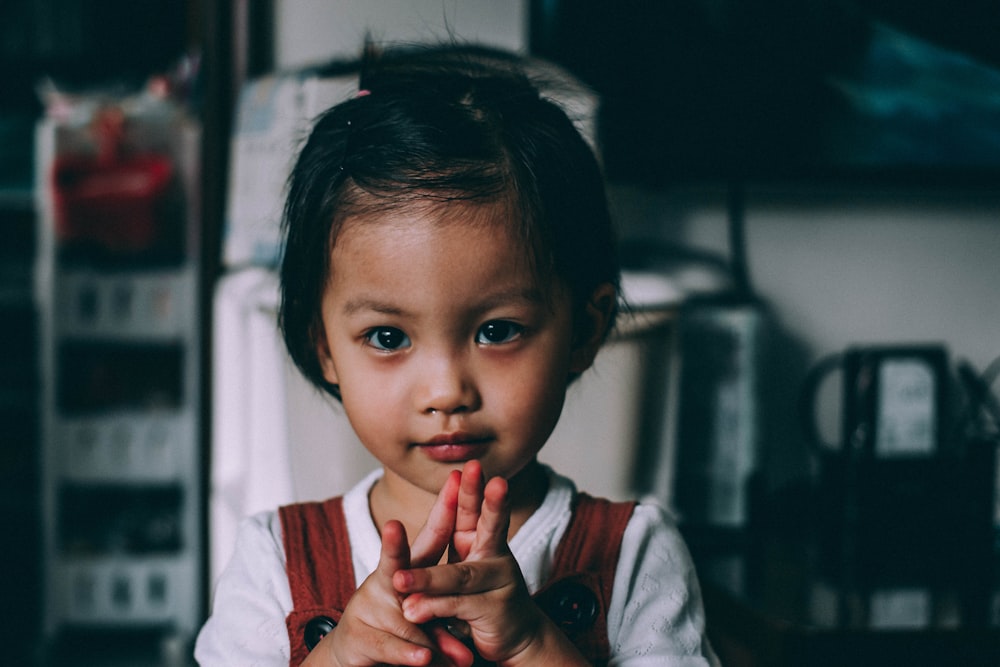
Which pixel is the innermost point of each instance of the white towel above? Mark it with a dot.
(250, 470)
(276, 439)
(268, 480)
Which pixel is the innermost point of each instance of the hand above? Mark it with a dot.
(373, 630)
(482, 584)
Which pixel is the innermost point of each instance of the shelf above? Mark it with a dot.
(119, 415)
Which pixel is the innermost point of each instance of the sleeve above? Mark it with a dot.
(656, 617)
(250, 602)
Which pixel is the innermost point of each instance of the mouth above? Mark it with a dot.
(455, 447)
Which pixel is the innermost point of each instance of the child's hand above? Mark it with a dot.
(482, 585)
(373, 630)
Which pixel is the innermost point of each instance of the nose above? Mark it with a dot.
(447, 385)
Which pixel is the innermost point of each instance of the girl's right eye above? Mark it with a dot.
(387, 339)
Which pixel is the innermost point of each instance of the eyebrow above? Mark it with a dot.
(530, 295)
(364, 303)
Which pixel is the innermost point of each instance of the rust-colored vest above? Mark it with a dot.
(321, 573)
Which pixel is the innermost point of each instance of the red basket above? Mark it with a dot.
(116, 205)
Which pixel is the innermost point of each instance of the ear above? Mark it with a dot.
(591, 326)
(325, 359)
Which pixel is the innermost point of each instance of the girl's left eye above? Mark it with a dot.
(498, 331)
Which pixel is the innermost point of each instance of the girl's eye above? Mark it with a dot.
(387, 339)
(498, 331)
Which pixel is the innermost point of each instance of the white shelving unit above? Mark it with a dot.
(120, 354)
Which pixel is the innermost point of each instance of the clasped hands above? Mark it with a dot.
(402, 613)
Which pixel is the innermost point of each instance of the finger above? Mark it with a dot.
(435, 535)
(494, 521)
(395, 552)
(397, 641)
(389, 649)
(464, 578)
(357, 641)
(470, 496)
(419, 608)
(451, 647)
(470, 501)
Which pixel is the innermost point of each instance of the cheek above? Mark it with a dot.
(532, 395)
(371, 403)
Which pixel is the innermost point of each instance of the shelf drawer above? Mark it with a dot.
(139, 447)
(147, 304)
(122, 591)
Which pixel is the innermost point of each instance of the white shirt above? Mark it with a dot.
(655, 617)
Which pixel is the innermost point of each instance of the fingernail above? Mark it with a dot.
(403, 579)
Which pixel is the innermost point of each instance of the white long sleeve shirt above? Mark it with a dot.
(655, 618)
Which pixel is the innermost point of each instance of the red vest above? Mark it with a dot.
(321, 573)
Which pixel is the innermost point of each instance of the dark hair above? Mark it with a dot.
(438, 126)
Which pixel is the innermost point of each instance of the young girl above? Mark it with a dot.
(449, 269)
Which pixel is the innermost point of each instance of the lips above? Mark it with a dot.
(455, 447)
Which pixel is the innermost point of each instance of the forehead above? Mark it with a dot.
(455, 250)
(430, 229)
(416, 219)
(360, 209)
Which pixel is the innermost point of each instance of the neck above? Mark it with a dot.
(527, 491)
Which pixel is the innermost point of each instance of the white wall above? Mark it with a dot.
(839, 267)
(848, 267)
(313, 31)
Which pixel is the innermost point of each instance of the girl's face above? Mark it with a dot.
(444, 344)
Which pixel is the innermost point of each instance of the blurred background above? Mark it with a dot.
(808, 195)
